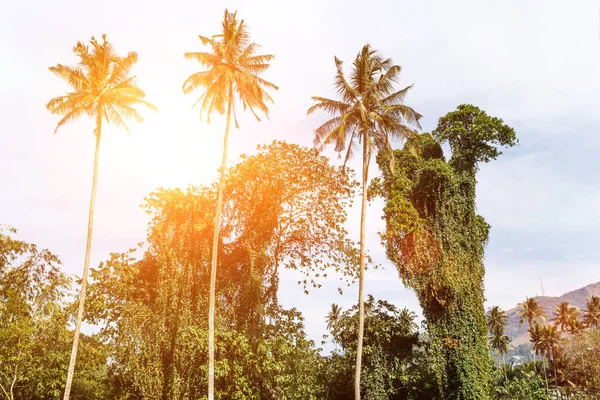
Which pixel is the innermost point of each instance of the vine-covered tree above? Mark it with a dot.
(284, 207)
(437, 240)
(233, 70)
(103, 89)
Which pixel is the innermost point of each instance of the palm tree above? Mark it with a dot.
(552, 338)
(531, 311)
(591, 315)
(576, 326)
(407, 320)
(333, 317)
(500, 342)
(232, 72)
(102, 88)
(369, 112)
(537, 335)
(564, 316)
(496, 319)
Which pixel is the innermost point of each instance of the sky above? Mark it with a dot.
(536, 64)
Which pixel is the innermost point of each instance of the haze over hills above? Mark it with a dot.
(578, 298)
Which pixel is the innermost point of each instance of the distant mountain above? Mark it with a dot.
(578, 298)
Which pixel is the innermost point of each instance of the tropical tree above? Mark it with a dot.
(370, 112)
(591, 315)
(537, 337)
(437, 240)
(232, 71)
(284, 207)
(551, 336)
(500, 342)
(580, 361)
(407, 318)
(34, 337)
(496, 319)
(565, 316)
(395, 360)
(102, 88)
(333, 317)
(531, 311)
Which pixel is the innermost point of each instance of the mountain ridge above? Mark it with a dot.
(578, 298)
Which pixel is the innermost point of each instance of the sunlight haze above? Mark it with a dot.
(536, 64)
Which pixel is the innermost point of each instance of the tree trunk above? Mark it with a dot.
(545, 374)
(213, 263)
(86, 263)
(361, 280)
(555, 375)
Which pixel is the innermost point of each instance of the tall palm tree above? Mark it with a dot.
(552, 338)
(372, 113)
(537, 337)
(531, 311)
(500, 342)
(497, 320)
(564, 316)
(591, 315)
(232, 72)
(102, 88)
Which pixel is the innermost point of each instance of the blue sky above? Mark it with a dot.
(536, 64)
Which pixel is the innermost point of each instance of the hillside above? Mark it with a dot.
(518, 333)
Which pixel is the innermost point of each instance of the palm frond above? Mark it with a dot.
(74, 76)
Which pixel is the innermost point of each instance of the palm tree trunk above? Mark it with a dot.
(545, 374)
(361, 279)
(213, 263)
(86, 263)
(555, 375)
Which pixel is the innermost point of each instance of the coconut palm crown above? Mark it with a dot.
(369, 108)
(591, 315)
(565, 316)
(101, 85)
(232, 71)
(531, 311)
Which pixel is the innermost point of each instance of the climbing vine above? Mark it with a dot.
(436, 239)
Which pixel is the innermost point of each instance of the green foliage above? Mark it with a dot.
(437, 240)
(395, 360)
(525, 387)
(34, 342)
(283, 208)
(473, 136)
(580, 362)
